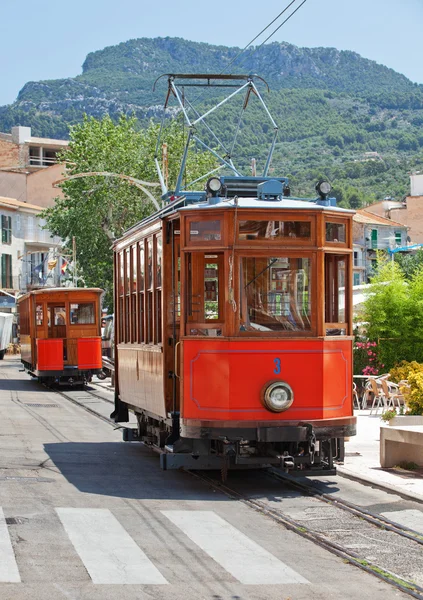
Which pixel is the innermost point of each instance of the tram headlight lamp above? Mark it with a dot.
(213, 186)
(323, 188)
(277, 396)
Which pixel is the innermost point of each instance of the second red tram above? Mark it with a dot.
(60, 334)
(234, 328)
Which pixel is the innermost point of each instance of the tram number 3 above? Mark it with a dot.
(277, 363)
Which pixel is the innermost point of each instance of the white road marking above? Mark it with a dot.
(241, 557)
(108, 552)
(407, 518)
(9, 572)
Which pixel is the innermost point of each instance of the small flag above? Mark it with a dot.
(64, 266)
(51, 264)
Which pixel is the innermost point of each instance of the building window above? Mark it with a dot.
(356, 278)
(374, 239)
(398, 240)
(6, 229)
(6, 271)
(42, 157)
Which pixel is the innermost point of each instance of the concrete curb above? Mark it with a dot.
(393, 489)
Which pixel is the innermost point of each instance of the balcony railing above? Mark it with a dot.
(42, 161)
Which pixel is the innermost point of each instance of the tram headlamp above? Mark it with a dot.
(277, 396)
(323, 188)
(213, 186)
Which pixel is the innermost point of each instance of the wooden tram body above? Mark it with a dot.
(60, 334)
(216, 302)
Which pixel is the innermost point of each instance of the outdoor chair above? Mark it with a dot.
(379, 398)
(392, 393)
(356, 400)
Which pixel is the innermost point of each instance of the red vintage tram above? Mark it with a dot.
(233, 327)
(60, 334)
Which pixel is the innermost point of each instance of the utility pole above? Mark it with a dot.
(74, 281)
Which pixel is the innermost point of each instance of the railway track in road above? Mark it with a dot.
(390, 534)
(394, 579)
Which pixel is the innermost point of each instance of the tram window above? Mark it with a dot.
(121, 320)
(275, 294)
(141, 293)
(272, 230)
(211, 332)
(59, 313)
(149, 264)
(120, 272)
(335, 232)
(39, 315)
(211, 290)
(82, 314)
(150, 298)
(149, 332)
(204, 304)
(159, 252)
(205, 231)
(133, 315)
(335, 285)
(158, 321)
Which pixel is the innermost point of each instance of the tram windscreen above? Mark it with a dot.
(276, 294)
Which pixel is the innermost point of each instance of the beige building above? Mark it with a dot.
(408, 212)
(28, 251)
(372, 232)
(28, 167)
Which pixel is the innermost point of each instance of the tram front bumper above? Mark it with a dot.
(269, 431)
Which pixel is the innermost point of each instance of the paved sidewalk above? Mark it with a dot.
(362, 460)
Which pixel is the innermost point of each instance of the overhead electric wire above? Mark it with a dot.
(253, 40)
(279, 26)
(259, 34)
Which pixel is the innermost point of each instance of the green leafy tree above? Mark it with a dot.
(393, 310)
(410, 263)
(96, 210)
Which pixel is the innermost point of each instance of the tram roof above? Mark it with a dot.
(60, 290)
(285, 203)
(253, 203)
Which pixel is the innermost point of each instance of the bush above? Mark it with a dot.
(404, 369)
(413, 394)
(388, 415)
(366, 360)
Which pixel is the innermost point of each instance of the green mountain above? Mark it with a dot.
(333, 108)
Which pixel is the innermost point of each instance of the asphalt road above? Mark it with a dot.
(86, 516)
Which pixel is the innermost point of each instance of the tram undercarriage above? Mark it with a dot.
(302, 448)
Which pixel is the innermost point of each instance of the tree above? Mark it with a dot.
(97, 210)
(410, 263)
(393, 310)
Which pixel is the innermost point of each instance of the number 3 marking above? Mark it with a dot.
(277, 368)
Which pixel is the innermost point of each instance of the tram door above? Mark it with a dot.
(56, 315)
(174, 315)
(56, 320)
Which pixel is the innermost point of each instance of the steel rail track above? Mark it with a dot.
(392, 579)
(374, 518)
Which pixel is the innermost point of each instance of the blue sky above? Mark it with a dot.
(50, 40)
